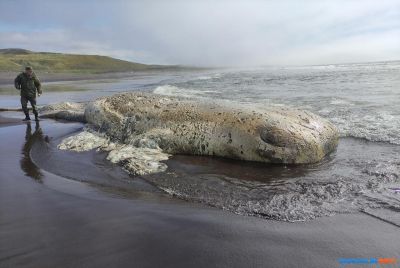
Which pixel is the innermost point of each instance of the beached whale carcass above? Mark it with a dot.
(188, 126)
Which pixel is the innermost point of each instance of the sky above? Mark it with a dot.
(208, 33)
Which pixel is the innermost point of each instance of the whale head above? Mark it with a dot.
(296, 137)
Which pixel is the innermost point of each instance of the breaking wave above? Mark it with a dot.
(170, 90)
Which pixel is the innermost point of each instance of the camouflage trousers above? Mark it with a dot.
(24, 103)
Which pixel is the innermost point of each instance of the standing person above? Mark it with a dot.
(28, 84)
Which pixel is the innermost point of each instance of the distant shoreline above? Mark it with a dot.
(7, 78)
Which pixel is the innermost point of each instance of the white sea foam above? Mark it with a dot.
(170, 90)
(167, 90)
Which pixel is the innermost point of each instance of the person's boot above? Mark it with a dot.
(36, 117)
(27, 118)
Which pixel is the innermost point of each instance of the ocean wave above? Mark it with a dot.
(166, 90)
(377, 126)
(170, 90)
(384, 139)
(209, 77)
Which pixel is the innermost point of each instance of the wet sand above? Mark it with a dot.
(7, 121)
(111, 220)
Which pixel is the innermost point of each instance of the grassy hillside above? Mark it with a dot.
(17, 59)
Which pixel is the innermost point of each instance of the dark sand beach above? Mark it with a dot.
(111, 220)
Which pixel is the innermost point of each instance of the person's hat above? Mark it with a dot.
(28, 68)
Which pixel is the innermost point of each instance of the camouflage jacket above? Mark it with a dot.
(28, 85)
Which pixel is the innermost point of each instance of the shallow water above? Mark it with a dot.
(362, 100)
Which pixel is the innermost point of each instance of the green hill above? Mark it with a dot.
(14, 59)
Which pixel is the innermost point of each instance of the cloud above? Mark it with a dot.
(221, 32)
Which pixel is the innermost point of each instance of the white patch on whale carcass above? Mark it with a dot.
(144, 158)
(84, 141)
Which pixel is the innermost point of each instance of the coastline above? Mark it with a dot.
(53, 221)
(7, 78)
